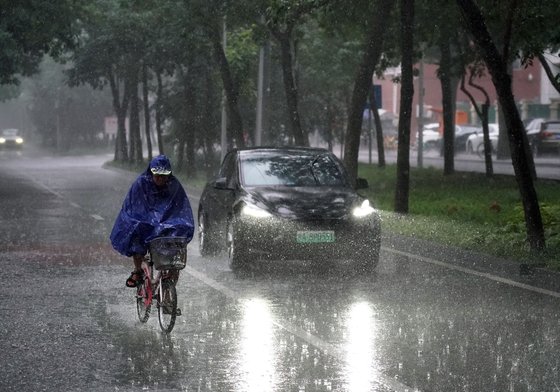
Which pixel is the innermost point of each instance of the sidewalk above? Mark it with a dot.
(548, 167)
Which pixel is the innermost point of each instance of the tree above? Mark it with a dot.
(407, 93)
(326, 58)
(64, 117)
(373, 47)
(482, 112)
(497, 66)
(282, 17)
(213, 16)
(25, 37)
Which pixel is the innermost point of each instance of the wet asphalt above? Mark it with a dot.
(431, 319)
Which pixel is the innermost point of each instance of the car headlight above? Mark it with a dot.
(364, 210)
(2, 140)
(19, 140)
(254, 211)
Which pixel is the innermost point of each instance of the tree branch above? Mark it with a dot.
(554, 79)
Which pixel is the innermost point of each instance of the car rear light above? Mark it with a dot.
(546, 134)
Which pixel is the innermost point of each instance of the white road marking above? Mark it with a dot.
(97, 217)
(75, 205)
(37, 182)
(475, 273)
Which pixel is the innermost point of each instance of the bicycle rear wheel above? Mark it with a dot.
(143, 302)
(167, 305)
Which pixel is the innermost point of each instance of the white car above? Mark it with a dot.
(431, 137)
(10, 139)
(475, 142)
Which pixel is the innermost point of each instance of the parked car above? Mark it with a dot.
(431, 138)
(462, 133)
(10, 139)
(287, 203)
(544, 135)
(475, 142)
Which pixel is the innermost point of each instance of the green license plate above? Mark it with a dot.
(314, 237)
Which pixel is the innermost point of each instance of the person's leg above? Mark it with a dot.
(138, 259)
(136, 275)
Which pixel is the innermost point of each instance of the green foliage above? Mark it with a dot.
(468, 210)
(29, 30)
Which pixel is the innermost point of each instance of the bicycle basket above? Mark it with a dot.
(169, 253)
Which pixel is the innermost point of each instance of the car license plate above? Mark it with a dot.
(314, 237)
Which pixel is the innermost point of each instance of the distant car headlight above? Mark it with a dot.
(364, 210)
(19, 140)
(254, 211)
(2, 140)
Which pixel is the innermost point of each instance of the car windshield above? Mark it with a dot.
(269, 169)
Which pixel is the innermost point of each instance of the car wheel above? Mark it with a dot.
(480, 150)
(206, 240)
(237, 257)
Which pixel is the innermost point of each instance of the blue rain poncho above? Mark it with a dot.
(149, 211)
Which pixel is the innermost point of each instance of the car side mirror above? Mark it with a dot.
(361, 183)
(221, 183)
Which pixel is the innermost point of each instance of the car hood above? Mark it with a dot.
(305, 202)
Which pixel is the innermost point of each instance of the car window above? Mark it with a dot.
(227, 169)
(553, 126)
(290, 170)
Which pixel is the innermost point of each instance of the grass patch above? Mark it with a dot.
(468, 210)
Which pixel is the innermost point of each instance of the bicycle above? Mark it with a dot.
(168, 255)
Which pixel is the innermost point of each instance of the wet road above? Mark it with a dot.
(429, 320)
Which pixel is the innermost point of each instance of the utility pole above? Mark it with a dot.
(420, 141)
(224, 112)
(260, 94)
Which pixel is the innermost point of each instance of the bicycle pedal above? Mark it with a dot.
(177, 312)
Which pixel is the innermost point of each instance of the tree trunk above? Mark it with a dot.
(378, 132)
(146, 110)
(158, 113)
(121, 150)
(234, 119)
(482, 112)
(448, 106)
(405, 116)
(487, 142)
(290, 87)
(135, 139)
(190, 124)
(362, 83)
(517, 142)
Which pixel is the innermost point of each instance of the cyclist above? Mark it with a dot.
(156, 205)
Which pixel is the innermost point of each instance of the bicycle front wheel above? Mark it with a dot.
(143, 301)
(167, 305)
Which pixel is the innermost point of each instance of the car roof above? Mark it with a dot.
(282, 149)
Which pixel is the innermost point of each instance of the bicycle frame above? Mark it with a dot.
(159, 289)
(154, 282)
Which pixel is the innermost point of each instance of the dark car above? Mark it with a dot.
(10, 139)
(544, 135)
(287, 203)
(462, 133)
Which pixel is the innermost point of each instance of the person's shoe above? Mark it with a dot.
(134, 279)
